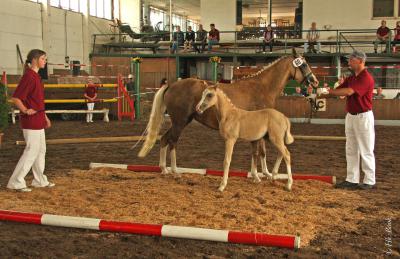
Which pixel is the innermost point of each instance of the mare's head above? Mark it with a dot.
(301, 71)
(208, 99)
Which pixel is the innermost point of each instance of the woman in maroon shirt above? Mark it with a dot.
(29, 99)
(90, 95)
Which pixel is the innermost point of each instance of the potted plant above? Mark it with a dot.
(4, 109)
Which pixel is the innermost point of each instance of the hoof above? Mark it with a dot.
(256, 180)
(176, 175)
(288, 188)
(221, 188)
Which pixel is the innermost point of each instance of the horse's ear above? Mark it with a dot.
(294, 52)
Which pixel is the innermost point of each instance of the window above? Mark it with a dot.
(157, 18)
(194, 24)
(98, 8)
(383, 8)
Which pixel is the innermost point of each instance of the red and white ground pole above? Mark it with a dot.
(148, 168)
(285, 241)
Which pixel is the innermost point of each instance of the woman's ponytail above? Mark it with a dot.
(33, 54)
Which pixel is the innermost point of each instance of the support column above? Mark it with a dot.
(45, 8)
(136, 66)
(178, 67)
(222, 13)
(86, 37)
(338, 67)
(270, 11)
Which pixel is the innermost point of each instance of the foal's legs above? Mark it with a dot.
(283, 153)
(254, 159)
(263, 159)
(229, 144)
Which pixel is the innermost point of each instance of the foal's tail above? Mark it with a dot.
(288, 136)
(155, 122)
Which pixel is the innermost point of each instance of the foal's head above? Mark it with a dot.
(208, 99)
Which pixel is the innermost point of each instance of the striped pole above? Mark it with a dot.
(149, 168)
(227, 236)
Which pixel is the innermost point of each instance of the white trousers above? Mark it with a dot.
(33, 157)
(360, 141)
(89, 116)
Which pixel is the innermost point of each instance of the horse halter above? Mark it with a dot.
(298, 63)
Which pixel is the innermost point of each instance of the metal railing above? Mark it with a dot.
(337, 40)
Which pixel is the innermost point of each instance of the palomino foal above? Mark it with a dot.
(252, 126)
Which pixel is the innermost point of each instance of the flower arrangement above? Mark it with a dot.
(215, 59)
(137, 60)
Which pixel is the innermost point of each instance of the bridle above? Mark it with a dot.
(302, 66)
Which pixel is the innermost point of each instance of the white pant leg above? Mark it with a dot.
(366, 141)
(319, 46)
(352, 151)
(89, 116)
(305, 47)
(40, 180)
(32, 149)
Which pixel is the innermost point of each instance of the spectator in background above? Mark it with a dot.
(130, 84)
(309, 91)
(189, 39)
(90, 95)
(379, 95)
(268, 38)
(397, 97)
(202, 38)
(396, 39)
(213, 36)
(298, 92)
(382, 36)
(312, 40)
(220, 79)
(340, 81)
(179, 39)
(326, 86)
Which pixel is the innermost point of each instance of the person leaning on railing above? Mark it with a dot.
(396, 39)
(201, 36)
(382, 36)
(312, 40)
(268, 38)
(178, 39)
(379, 94)
(189, 39)
(213, 36)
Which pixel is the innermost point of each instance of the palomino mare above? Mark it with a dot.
(254, 92)
(235, 123)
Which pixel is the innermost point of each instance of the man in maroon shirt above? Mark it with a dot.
(360, 133)
(382, 36)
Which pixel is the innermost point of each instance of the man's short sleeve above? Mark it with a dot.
(363, 86)
(24, 87)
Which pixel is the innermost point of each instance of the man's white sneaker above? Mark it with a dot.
(24, 190)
